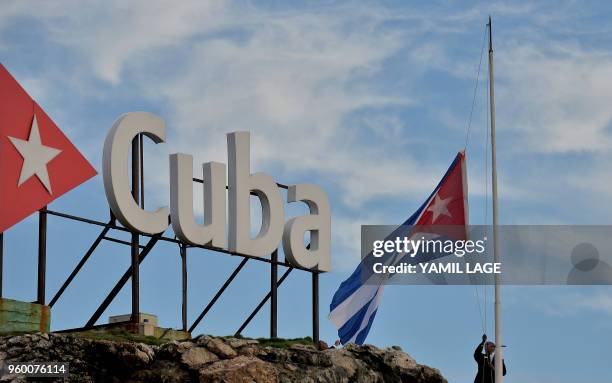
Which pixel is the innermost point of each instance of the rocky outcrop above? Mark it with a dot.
(211, 359)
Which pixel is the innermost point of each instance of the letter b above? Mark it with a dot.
(241, 184)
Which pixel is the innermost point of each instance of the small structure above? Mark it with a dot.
(146, 322)
(147, 326)
(18, 316)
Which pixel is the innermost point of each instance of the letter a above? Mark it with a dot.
(318, 222)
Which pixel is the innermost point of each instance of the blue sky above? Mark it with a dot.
(369, 100)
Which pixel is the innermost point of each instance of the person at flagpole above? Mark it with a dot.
(486, 362)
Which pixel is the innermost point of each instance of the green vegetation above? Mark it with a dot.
(284, 343)
(118, 335)
(277, 342)
(121, 335)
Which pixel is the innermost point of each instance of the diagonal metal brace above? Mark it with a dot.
(81, 263)
(126, 276)
(263, 302)
(218, 294)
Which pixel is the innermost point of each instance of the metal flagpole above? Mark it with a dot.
(499, 376)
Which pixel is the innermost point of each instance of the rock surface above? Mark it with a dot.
(211, 359)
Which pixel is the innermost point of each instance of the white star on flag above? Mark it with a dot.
(35, 155)
(440, 207)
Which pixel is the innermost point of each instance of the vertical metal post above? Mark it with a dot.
(1, 260)
(315, 307)
(274, 295)
(141, 158)
(499, 358)
(183, 249)
(42, 254)
(135, 238)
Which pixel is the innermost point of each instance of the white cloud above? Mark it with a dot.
(111, 34)
(556, 96)
(293, 77)
(566, 303)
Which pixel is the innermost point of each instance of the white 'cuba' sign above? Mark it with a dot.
(241, 183)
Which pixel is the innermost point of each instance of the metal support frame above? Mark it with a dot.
(170, 240)
(153, 239)
(183, 251)
(141, 162)
(263, 302)
(135, 238)
(81, 263)
(122, 281)
(274, 296)
(315, 307)
(116, 240)
(139, 252)
(218, 294)
(42, 255)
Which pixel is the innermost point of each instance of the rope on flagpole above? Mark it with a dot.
(469, 124)
(467, 138)
(487, 183)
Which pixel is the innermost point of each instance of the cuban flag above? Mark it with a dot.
(355, 303)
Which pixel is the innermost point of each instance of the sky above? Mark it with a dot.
(370, 100)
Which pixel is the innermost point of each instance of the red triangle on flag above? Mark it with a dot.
(38, 163)
(448, 205)
(445, 213)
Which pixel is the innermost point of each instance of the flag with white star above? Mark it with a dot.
(37, 161)
(447, 205)
(444, 214)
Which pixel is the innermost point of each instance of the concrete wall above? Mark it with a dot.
(17, 316)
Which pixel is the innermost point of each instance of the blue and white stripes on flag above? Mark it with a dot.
(355, 303)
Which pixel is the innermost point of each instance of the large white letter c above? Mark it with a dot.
(115, 171)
